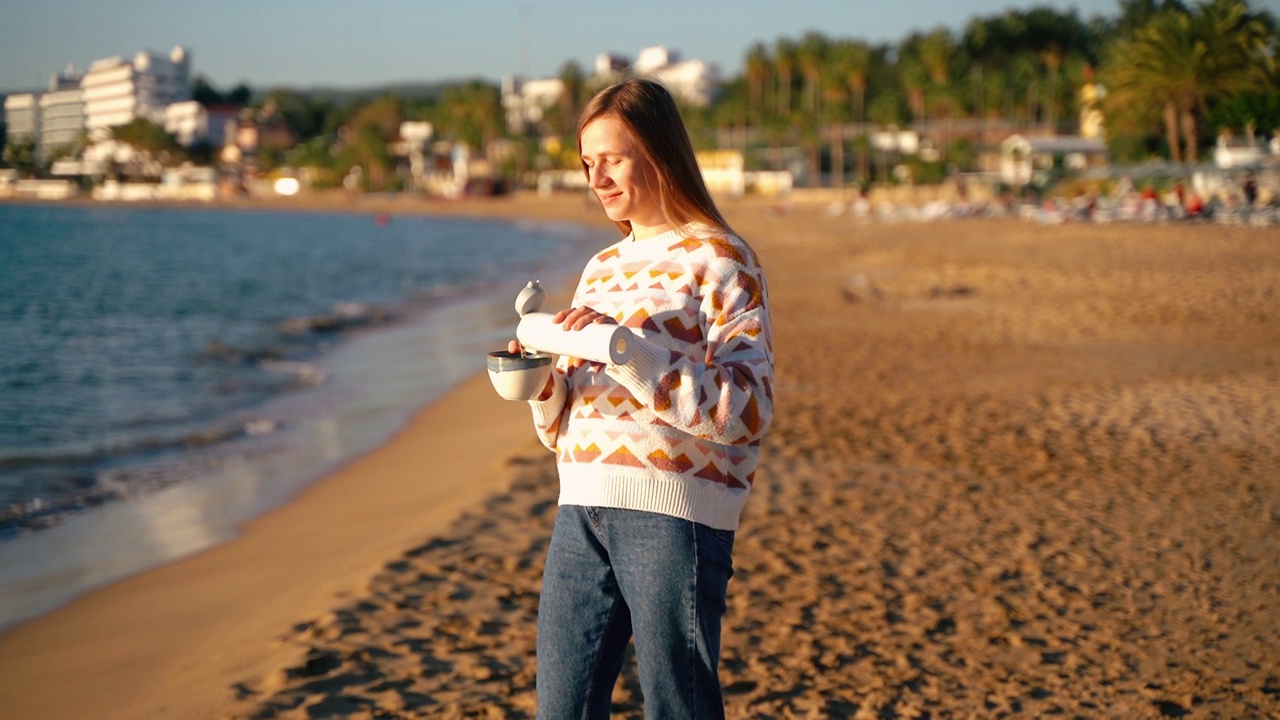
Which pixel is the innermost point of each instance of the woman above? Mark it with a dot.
(656, 457)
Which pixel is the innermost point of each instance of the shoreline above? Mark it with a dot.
(104, 616)
(300, 558)
(1043, 478)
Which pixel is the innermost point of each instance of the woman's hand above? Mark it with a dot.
(569, 319)
(580, 317)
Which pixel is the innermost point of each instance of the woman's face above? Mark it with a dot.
(621, 178)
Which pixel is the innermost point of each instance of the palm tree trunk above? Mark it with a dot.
(1171, 130)
(837, 156)
(860, 114)
(1189, 135)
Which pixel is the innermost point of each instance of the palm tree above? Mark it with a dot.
(470, 113)
(850, 63)
(785, 60)
(572, 78)
(757, 67)
(1180, 60)
(810, 56)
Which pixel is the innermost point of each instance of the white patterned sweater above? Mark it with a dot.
(676, 430)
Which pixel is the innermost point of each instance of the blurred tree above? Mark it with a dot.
(1248, 112)
(239, 95)
(1135, 14)
(60, 152)
(758, 71)
(367, 138)
(886, 109)
(913, 78)
(204, 92)
(784, 65)
(21, 156)
(471, 113)
(574, 80)
(1026, 51)
(302, 115)
(811, 56)
(1180, 60)
(850, 63)
(148, 137)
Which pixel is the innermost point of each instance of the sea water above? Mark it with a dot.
(167, 374)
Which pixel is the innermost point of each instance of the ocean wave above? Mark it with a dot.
(72, 482)
(344, 316)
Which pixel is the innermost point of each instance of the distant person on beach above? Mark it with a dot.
(656, 457)
(1250, 190)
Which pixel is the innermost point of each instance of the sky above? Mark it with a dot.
(332, 43)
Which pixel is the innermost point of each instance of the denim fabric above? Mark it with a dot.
(611, 573)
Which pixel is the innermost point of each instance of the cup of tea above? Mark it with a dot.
(518, 376)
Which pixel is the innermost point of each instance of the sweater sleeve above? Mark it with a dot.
(727, 396)
(548, 414)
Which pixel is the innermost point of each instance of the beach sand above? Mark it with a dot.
(1015, 470)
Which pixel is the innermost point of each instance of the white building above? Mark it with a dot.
(1022, 158)
(61, 112)
(526, 102)
(693, 81)
(611, 64)
(116, 91)
(190, 122)
(22, 117)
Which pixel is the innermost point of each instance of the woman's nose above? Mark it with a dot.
(598, 178)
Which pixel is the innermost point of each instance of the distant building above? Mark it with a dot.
(1091, 119)
(22, 117)
(117, 91)
(693, 81)
(191, 122)
(61, 113)
(1229, 153)
(525, 102)
(611, 64)
(1024, 157)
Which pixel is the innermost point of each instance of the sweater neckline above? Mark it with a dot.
(687, 230)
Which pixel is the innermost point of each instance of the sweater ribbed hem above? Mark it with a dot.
(696, 500)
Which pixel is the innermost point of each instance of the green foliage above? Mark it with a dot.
(302, 115)
(203, 92)
(148, 137)
(1250, 110)
(470, 113)
(1175, 72)
(1180, 62)
(21, 155)
(60, 152)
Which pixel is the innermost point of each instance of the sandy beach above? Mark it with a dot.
(1015, 471)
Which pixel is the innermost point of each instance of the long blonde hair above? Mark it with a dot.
(649, 113)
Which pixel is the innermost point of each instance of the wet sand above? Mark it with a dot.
(1015, 470)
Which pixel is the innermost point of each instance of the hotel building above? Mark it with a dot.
(693, 81)
(61, 113)
(22, 117)
(116, 91)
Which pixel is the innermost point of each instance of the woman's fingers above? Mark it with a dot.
(580, 317)
(514, 347)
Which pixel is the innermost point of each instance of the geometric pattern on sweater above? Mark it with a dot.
(697, 396)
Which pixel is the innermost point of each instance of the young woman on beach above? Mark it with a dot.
(656, 456)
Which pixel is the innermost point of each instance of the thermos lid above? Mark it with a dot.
(530, 298)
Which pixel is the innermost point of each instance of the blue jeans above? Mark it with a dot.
(611, 573)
